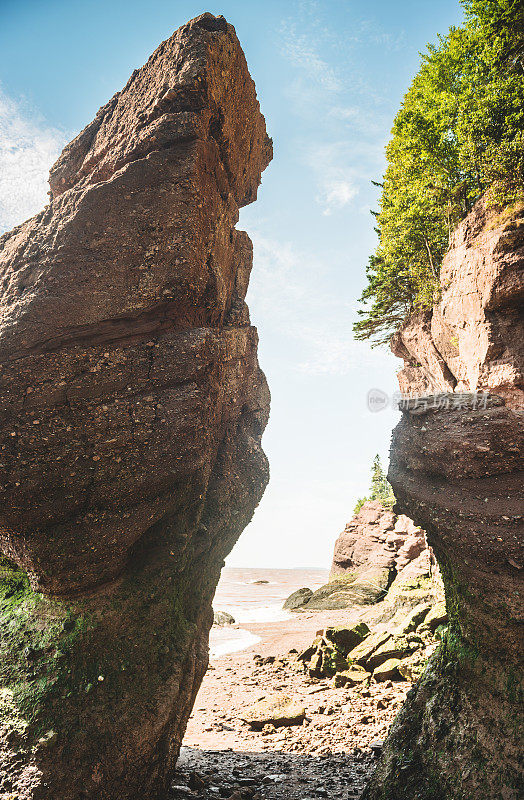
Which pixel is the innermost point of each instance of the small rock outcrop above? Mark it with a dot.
(357, 654)
(132, 410)
(376, 549)
(297, 599)
(457, 470)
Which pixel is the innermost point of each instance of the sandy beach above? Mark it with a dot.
(328, 755)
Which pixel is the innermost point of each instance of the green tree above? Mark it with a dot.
(459, 134)
(380, 488)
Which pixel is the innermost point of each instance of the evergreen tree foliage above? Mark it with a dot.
(459, 134)
(380, 488)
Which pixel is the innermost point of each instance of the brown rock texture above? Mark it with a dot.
(458, 472)
(377, 539)
(374, 552)
(473, 338)
(132, 410)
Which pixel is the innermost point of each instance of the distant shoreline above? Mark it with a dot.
(295, 632)
(254, 597)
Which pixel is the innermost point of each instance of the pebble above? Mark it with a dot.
(331, 754)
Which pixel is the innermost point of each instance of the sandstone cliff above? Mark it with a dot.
(473, 337)
(458, 472)
(377, 551)
(377, 539)
(132, 409)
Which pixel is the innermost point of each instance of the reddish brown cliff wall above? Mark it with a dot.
(132, 409)
(458, 472)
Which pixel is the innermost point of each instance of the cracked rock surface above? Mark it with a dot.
(132, 409)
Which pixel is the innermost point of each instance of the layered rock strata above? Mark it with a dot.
(457, 470)
(377, 539)
(132, 409)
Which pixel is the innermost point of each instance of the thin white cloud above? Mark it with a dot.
(336, 194)
(299, 48)
(359, 119)
(342, 140)
(286, 297)
(369, 31)
(335, 177)
(28, 148)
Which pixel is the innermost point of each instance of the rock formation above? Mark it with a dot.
(457, 470)
(473, 338)
(132, 409)
(373, 552)
(360, 653)
(377, 539)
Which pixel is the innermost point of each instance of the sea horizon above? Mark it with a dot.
(256, 594)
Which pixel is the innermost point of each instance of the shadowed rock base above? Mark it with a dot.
(132, 410)
(459, 735)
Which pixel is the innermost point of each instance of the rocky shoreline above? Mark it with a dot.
(330, 754)
(305, 711)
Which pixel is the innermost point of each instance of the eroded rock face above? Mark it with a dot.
(376, 548)
(458, 472)
(377, 538)
(132, 409)
(474, 337)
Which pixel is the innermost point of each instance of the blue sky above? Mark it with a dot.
(330, 76)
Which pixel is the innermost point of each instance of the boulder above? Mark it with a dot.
(394, 647)
(331, 595)
(437, 616)
(388, 671)
(414, 618)
(297, 599)
(369, 588)
(326, 660)
(316, 662)
(222, 618)
(307, 654)
(350, 677)
(334, 654)
(415, 584)
(277, 710)
(412, 667)
(132, 408)
(346, 639)
(363, 652)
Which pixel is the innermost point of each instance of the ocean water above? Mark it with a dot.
(241, 594)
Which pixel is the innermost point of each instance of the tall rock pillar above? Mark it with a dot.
(457, 462)
(132, 408)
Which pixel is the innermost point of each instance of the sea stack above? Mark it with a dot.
(457, 470)
(132, 408)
